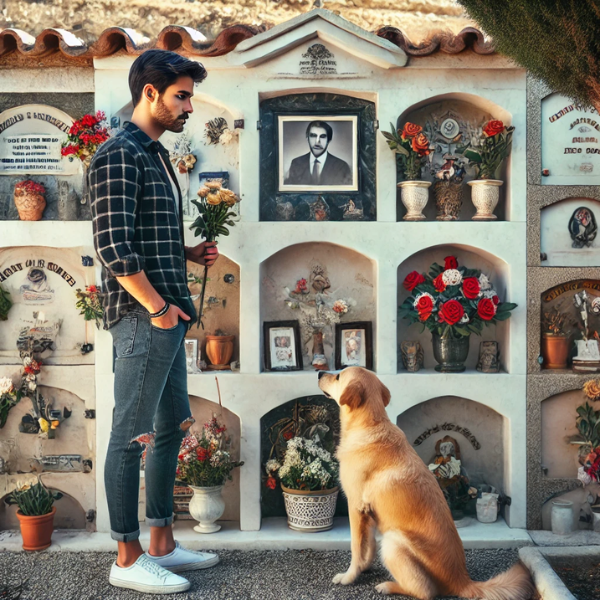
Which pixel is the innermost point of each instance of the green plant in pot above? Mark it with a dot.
(556, 337)
(452, 302)
(35, 513)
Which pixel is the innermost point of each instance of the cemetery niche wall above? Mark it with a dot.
(30, 149)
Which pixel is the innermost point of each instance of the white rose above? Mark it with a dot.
(464, 318)
(452, 277)
(226, 137)
(484, 282)
(6, 385)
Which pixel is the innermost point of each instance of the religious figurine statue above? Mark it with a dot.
(451, 476)
(580, 301)
(412, 356)
(319, 362)
(582, 227)
(588, 350)
(488, 357)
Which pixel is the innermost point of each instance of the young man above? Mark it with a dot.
(138, 236)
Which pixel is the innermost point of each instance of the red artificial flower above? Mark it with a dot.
(471, 287)
(438, 283)
(493, 128)
(30, 187)
(288, 435)
(412, 280)
(486, 309)
(420, 144)
(92, 289)
(451, 312)
(424, 307)
(410, 130)
(202, 453)
(450, 262)
(271, 483)
(496, 300)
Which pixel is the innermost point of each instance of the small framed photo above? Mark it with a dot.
(282, 346)
(191, 355)
(354, 345)
(318, 153)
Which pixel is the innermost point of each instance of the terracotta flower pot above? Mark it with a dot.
(219, 349)
(555, 351)
(36, 531)
(30, 206)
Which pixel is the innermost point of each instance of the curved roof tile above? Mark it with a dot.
(190, 41)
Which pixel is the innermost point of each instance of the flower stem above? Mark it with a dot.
(199, 321)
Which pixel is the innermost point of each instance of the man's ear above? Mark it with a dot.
(353, 396)
(385, 395)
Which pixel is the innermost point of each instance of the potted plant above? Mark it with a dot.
(30, 200)
(9, 397)
(35, 514)
(410, 145)
(309, 481)
(219, 349)
(488, 156)
(555, 338)
(205, 464)
(588, 427)
(452, 302)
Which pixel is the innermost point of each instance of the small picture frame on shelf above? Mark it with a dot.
(354, 345)
(191, 355)
(282, 346)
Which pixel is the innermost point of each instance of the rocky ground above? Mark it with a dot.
(291, 575)
(88, 18)
(581, 576)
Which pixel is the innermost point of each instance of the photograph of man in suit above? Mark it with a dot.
(319, 166)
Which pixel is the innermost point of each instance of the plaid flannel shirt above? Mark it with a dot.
(137, 222)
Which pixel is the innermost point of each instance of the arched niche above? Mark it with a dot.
(220, 160)
(74, 435)
(351, 275)
(561, 298)
(42, 283)
(569, 233)
(479, 430)
(203, 410)
(496, 269)
(559, 415)
(69, 513)
(467, 113)
(221, 303)
(326, 411)
(570, 142)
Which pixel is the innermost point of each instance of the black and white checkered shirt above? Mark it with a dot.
(137, 222)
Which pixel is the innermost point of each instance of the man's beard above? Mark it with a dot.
(165, 118)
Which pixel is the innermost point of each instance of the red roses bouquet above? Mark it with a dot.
(452, 301)
(411, 145)
(493, 148)
(204, 460)
(85, 136)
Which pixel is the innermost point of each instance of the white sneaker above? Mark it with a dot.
(145, 575)
(185, 560)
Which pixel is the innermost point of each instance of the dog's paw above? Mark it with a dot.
(384, 588)
(344, 578)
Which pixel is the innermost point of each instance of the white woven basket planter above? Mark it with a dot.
(310, 511)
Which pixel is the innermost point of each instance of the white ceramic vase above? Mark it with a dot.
(207, 506)
(414, 196)
(310, 511)
(485, 194)
(561, 517)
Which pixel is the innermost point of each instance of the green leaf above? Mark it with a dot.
(473, 156)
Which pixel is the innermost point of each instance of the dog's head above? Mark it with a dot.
(355, 388)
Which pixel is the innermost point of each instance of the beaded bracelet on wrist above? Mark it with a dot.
(163, 311)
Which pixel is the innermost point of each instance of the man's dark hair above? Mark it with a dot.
(322, 125)
(161, 68)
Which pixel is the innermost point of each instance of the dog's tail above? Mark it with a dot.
(514, 584)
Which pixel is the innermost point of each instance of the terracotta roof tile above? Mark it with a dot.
(191, 42)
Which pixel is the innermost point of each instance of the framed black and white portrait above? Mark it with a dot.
(354, 345)
(318, 153)
(282, 346)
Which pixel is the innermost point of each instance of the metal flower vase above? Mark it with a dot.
(450, 353)
(414, 196)
(485, 194)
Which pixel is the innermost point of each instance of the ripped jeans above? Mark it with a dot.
(152, 412)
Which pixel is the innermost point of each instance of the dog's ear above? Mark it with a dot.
(353, 396)
(385, 395)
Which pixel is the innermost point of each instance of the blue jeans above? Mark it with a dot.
(152, 411)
